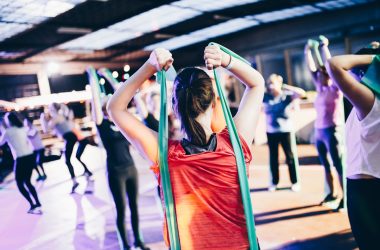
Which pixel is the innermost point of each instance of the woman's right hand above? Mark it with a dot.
(161, 59)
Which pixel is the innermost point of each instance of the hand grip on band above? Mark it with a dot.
(239, 155)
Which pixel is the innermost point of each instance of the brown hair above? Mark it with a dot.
(193, 94)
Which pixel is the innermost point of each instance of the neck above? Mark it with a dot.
(205, 121)
(156, 114)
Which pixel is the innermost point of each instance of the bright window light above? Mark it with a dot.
(207, 5)
(26, 13)
(97, 40)
(10, 29)
(205, 34)
(133, 27)
(225, 28)
(337, 4)
(10, 55)
(155, 19)
(285, 13)
(175, 43)
(52, 68)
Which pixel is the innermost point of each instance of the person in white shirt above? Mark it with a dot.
(15, 134)
(38, 147)
(363, 142)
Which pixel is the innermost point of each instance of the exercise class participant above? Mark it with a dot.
(16, 135)
(83, 141)
(122, 173)
(363, 142)
(38, 147)
(202, 165)
(277, 105)
(329, 121)
(62, 127)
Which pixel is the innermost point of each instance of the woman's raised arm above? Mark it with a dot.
(361, 97)
(250, 106)
(140, 136)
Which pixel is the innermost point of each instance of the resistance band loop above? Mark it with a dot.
(372, 76)
(94, 81)
(106, 73)
(171, 218)
(164, 171)
(239, 155)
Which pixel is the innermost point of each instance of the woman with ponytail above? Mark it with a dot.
(202, 165)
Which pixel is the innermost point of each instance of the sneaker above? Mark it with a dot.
(35, 209)
(272, 188)
(90, 178)
(340, 207)
(141, 246)
(40, 178)
(87, 173)
(330, 197)
(75, 185)
(44, 177)
(296, 187)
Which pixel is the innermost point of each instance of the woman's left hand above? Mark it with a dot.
(214, 57)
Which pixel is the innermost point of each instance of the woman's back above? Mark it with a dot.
(17, 139)
(62, 125)
(328, 104)
(207, 196)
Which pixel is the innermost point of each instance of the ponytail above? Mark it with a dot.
(193, 95)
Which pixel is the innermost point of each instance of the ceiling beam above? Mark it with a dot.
(286, 33)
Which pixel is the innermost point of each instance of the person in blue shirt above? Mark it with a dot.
(277, 105)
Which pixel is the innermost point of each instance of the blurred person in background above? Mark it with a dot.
(38, 147)
(16, 135)
(57, 121)
(357, 76)
(277, 105)
(330, 120)
(122, 172)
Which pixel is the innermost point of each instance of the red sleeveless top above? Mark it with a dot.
(207, 197)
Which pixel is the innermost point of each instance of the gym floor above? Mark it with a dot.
(86, 220)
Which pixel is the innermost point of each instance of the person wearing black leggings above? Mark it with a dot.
(38, 147)
(15, 134)
(122, 173)
(330, 119)
(64, 128)
(357, 76)
(277, 105)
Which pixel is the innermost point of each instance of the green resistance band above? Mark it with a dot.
(164, 171)
(372, 76)
(315, 44)
(94, 80)
(235, 141)
(106, 73)
(171, 218)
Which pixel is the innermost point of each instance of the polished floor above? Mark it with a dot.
(85, 220)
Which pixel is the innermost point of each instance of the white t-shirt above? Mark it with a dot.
(17, 139)
(35, 139)
(363, 142)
